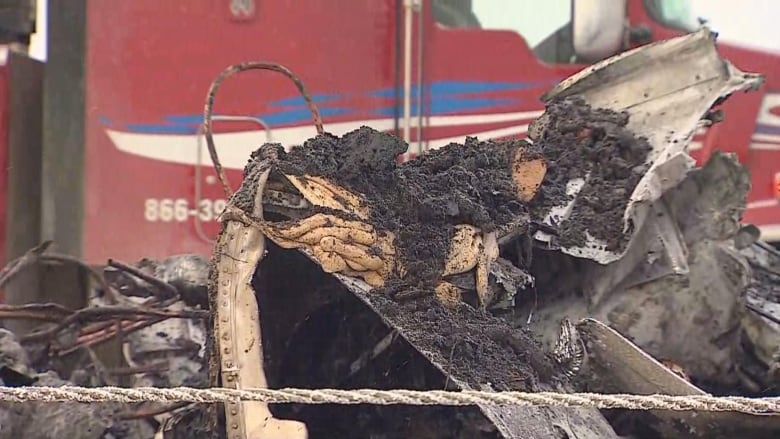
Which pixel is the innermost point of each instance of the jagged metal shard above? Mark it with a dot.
(666, 88)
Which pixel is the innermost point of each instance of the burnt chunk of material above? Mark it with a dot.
(580, 141)
(421, 200)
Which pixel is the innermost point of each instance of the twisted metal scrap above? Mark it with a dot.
(209, 106)
(763, 406)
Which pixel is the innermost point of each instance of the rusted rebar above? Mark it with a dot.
(110, 313)
(170, 289)
(209, 106)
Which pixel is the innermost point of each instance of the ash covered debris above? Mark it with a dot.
(179, 344)
(469, 217)
(420, 201)
(581, 142)
(41, 420)
(460, 183)
(478, 183)
(149, 350)
(184, 275)
(758, 349)
(470, 347)
(366, 340)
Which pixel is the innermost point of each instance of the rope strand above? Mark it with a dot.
(767, 406)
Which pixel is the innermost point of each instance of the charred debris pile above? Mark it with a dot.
(444, 246)
(416, 302)
(506, 187)
(592, 257)
(568, 262)
(145, 325)
(409, 308)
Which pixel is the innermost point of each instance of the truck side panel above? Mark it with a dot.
(149, 65)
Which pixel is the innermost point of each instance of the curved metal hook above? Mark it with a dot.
(230, 71)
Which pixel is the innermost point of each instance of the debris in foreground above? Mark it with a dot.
(570, 262)
(421, 275)
(143, 327)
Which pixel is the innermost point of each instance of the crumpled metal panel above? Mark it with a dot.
(616, 365)
(688, 318)
(666, 88)
(511, 422)
(759, 349)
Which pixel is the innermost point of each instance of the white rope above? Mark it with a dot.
(390, 397)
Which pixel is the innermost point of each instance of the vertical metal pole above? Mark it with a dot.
(420, 88)
(62, 185)
(408, 5)
(399, 9)
(22, 210)
(63, 144)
